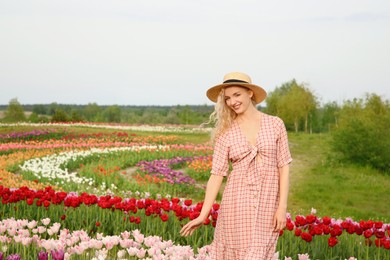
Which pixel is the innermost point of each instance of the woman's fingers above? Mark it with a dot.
(186, 230)
(190, 227)
(279, 224)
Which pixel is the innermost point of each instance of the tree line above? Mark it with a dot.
(92, 112)
(359, 127)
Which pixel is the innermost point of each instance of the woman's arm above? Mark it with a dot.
(280, 215)
(213, 186)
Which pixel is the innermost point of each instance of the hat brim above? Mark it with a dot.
(259, 93)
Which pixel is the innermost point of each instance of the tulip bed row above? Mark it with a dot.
(364, 238)
(26, 135)
(122, 127)
(81, 141)
(41, 238)
(91, 191)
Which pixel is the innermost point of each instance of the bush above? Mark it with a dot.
(60, 116)
(363, 135)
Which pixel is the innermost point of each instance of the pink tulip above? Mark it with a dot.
(141, 253)
(41, 229)
(45, 221)
(125, 234)
(132, 251)
(303, 257)
(126, 243)
(12, 232)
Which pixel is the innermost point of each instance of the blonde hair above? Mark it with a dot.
(222, 116)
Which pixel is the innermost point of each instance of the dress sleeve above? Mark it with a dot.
(220, 163)
(283, 153)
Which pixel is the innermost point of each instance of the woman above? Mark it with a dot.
(254, 202)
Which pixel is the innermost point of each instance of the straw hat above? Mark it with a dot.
(237, 79)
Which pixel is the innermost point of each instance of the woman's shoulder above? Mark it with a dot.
(271, 118)
(275, 121)
(225, 135)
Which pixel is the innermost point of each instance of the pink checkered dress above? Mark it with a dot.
(245, 223)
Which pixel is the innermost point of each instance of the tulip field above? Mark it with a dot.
(94, 191)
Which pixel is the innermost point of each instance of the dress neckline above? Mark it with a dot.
(257, 134)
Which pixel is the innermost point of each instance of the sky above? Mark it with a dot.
(154, 52)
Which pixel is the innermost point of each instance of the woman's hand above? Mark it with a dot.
(279, 219)
(190, 227)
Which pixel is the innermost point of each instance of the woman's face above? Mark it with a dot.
(238, 98)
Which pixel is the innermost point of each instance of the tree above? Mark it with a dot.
(294, 103)
(273, 98)
(52, 108)
(91, 112)
(113, 114)
(172, 117)
(150, 116)
(35, 118)
(60, 116)
(76, 116)
(39, 109)
(186, 115)
(329, 115)
(14, 112)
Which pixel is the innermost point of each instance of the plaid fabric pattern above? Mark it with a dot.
(244, 228)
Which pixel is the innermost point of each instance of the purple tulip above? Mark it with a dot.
(13, 257)
(26, 134)
(58, 255)
(1, 256)
(162, 168)
(43, 255)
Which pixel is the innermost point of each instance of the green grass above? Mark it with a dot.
(334, 189)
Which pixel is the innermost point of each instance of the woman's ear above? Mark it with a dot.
(250, 93)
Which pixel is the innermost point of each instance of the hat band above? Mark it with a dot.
(234, 80)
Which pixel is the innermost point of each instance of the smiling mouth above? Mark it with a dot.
(236, 107)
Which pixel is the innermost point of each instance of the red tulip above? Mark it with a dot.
(175, 200)
(164, 217)
(326, 220)
(368, 233)
(332, 241)
(289, 225)
(298, 232)
(30, 201)
(306, 236)
(386, 244)
(311, 219)
(216, 207)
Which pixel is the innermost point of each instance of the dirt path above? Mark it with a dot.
(129, 172)
(308, 151)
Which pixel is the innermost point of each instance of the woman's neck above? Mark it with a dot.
(249, 115)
